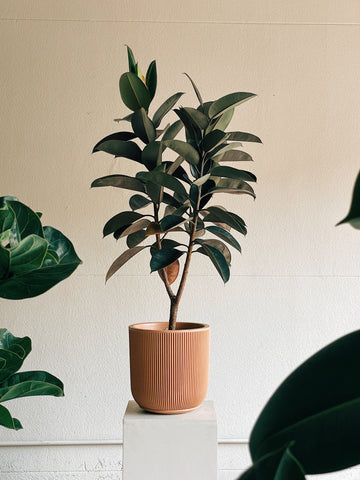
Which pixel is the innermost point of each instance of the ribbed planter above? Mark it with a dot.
(169, 370)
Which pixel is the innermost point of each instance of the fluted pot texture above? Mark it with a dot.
(169, 369)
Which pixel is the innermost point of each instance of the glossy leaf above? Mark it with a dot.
(120, 261)
(192, 130)
(13, 351)
(244, 137)
(217, 259)
(135, 238)
(234, 156)
(165, 108)
(173, 130)
(317, 407)
(151, 155)
(25, 222)
(213, 139)
(222, 121)
(230, 172)
(218, 245)
(119, 181)
(143, 126)
(170, 221)
(153, 229)
(184, 149)
(223, 216)
(164, 257)
(120, 220)
(138, 201)
(196, 90)
(233, 186)
(353, 217)
(151, 78)
(121, 148)
(133, 92)
(197, 117)
(131, 60)
(122, 136)
(28, 255)
(163, 179)
(30, 384)
(4, 261)
(224, 235)
(228, 101)
(221, 149)
(7, 421)
(135, 227)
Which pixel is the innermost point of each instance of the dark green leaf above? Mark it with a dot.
(29, 384)
(138, 201)
(317, 407)
(143, 126)
(13, 351)
(4, 261)
(197, 117)
(135, 227)
(131, 59)
(135, 238)
(165, 108)
(133, 92)
(213, 139)
(120, 181)
(6, 420)
(223, 148)
(123, 136)
(222, 121)
(192, 130)
(195, 89)
(120, 261)
(25, 222)
(216, 244)
(169, 243)
(164, 257)
(234, 156)
(194, 196)
(184, 149)
(28, 255)
(244, 137)
(217, 259)
(224, 235)
(228, 101)
(121, 148)
(170, 221)
(223, 216)
(353, 217)
(127, 118)
(173, 130)
(155, 192)
(231, 185)
(120, 220)
(230, 172)
(151, 155)
(163, 179)
(169, 200)
(151, 78)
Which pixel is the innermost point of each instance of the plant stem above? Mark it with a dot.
(162, 272)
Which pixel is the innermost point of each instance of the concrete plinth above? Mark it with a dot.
(170, 447)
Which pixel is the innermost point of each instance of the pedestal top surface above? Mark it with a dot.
(204, 413)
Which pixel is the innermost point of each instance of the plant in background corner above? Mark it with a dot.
(177, 195)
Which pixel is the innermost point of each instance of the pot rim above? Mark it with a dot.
(162, 327)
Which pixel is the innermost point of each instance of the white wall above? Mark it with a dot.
(296, 286)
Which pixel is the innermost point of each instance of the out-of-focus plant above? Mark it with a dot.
(179, 192)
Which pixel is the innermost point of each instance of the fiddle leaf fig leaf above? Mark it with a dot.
(6, 420)
(151, 78)
(120, 181)
(143, 126)
(165, 108)
(120, 261)
(28, 254)
(244, 137)
(13, 351)
(164, 257)
(183, 149)
(25, 222)
(4, 261)
(30, 384)
(133, 92)
(123, 136)
(217, 258)
(353, 217)
(227, 102)
(230, 172)
(224, 235)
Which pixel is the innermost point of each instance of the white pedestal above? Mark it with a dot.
(170, 447)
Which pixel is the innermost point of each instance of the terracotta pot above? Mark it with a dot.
(169, 369)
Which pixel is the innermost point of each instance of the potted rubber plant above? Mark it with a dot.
(33, 259)
(172, 215)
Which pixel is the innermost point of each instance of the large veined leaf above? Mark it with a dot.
(4, 261)
(134, 92)
(6, 420)
(228, 101)
(230, 172)
(28, 255)
(13, 351)
(119, 181)
(224, 235)
(120, 148)
(317, 408)
(184, 149)
(120, 220)
(25, 222)
(151, 79)
(164, 257)
(164, 180)
(165, 108)
(218, 260)
(353, 217)
(223, 216)
(278, 465)
(120, 261)
(143, 126)
(30, 384)
(123, 136)
(244, 137)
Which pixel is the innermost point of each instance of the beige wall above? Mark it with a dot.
(296, 285)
